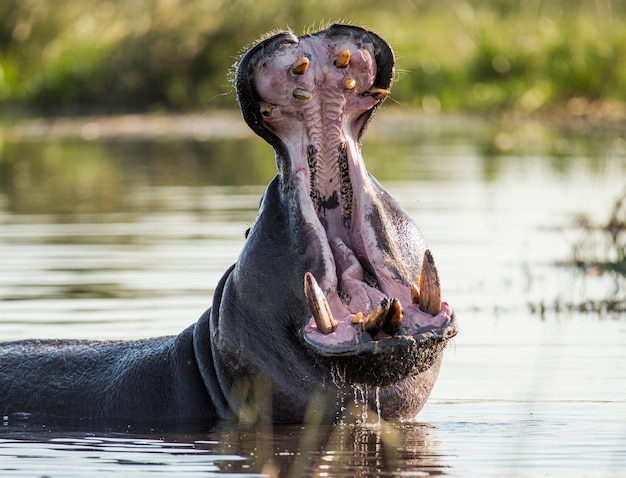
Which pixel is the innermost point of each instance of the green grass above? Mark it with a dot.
(61, 56)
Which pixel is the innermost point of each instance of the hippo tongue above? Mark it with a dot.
(385, 319)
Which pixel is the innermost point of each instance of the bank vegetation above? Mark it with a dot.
(105, 56)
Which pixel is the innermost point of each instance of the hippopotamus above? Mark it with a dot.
(334, 293)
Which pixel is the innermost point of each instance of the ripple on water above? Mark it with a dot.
(96, 456)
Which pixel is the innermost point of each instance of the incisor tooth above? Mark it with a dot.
(375, 319)
(301, 66)
(415, 294)
(393, 318)
(302, 94)
(429, 286)
(343, 59)
(387, 316)
(377, 93)
(319, 305)
(349, 84)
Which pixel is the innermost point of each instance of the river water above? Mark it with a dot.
(107, 237)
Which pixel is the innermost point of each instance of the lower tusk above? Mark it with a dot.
(429, 286)
(319, 305)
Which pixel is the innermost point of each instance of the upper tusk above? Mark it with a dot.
(302, 94)
(377, 93)
(349, 84)
(267, 108)
(343, 59)
(301, 67)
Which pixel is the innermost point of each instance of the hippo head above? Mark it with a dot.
(335, 288)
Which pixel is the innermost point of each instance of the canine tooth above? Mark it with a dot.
(301, 67)
(375, 320)
(377, 93)
(349, 84)
(319, 305)
(302, 94)
(415, 294)
(343, 59)
(430, 287)
(357, 318)
(393, 318)
(266, 108)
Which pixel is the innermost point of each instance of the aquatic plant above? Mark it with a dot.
(603, 246)
(600, 251)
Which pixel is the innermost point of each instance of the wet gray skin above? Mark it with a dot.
(334, 288)
(311, 98)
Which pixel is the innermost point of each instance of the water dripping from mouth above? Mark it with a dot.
(362, 399)
(338, 375)
(362, 394)
(378, 412)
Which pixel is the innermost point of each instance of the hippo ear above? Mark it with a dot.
(246, 96)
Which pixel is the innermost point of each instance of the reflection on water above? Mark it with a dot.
(78, 177)
(74, 177)
(294, 451)
(127, 239)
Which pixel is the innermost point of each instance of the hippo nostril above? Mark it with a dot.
(343, 59)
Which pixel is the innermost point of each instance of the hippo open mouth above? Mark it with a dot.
(373, 290)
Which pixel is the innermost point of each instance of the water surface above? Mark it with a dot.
(110, 238)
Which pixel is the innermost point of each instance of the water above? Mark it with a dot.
(126, 238)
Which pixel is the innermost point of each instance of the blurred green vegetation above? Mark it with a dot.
(76, 56)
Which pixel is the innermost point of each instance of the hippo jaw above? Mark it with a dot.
(376, 315)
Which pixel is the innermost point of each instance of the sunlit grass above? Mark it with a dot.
(77, 56)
